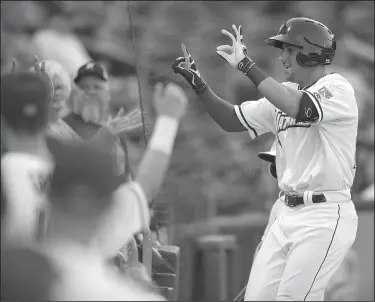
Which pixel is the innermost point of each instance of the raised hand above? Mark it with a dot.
(187, 67)
(235, 53)
(170, 100)
(40, 69)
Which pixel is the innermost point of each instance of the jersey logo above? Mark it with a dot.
(325, 93)
(308, 112)
(317, 96)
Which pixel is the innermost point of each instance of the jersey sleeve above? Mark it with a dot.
(256, 117)
(129, 215)
(333, 99)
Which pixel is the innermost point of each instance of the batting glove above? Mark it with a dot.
(187, 67)
(237, 52)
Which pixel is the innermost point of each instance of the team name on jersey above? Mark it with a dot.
(284, 122)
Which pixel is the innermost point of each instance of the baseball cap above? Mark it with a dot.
(270, 155)
(94, 69)
(82, 172)
(25, 98)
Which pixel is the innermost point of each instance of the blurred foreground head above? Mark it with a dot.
(26, 275)
(81, 189)
(25, 99)
(83, 179)
(62, 86)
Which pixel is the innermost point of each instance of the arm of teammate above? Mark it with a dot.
(221, 111)
(170, 104)
(131, 214)
(300, 105)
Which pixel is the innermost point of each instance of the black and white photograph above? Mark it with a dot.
(187, 151)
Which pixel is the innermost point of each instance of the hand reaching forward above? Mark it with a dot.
(170, 100)
(235, 53)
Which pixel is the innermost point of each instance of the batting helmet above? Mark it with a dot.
(317, 42)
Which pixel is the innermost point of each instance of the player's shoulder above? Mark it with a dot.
(24, 160)
(332, 82)
(335, 79)
(290, 84)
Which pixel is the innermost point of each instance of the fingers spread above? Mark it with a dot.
(226, 48)
(236, 31)
(227, 33)
(120, 113)
(224, 55)
(178, 61)
(187, 56)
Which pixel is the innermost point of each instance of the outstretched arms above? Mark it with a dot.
(221, 111)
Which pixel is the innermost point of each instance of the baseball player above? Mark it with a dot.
(343, 286)
(27, 162)
(315, 121)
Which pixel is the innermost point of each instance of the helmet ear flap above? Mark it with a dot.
(272, 170)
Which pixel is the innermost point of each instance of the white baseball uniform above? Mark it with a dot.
(25, 178)
(307, 243)
(128, 215)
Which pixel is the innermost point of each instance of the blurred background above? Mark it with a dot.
(216, 184)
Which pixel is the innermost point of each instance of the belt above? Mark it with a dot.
(293, 200)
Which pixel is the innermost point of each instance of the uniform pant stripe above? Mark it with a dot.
(333, 236)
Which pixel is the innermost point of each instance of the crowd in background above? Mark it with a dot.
(102, 30)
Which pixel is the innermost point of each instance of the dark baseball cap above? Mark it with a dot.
(94, 69)
(82, 169)
(25, 98)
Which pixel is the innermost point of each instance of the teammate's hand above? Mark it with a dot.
(235, 53)
(170, 100)
(187, 67)
(122, 122)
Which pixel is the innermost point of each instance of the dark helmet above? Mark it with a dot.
(317, 42)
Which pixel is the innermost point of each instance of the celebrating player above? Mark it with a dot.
(315, 122)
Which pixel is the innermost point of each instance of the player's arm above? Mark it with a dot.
(300, 105)
(170, 104)
(221, 111)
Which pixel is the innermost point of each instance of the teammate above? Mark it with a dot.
(27, 163)
(87, 226)
(315, 122)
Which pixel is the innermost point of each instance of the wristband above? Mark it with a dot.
(164, 134)
(253, 72)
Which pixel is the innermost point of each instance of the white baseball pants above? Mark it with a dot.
(301, 252)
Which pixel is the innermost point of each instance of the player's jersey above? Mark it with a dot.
(318, 155)
(25, 180)
(129, 215)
